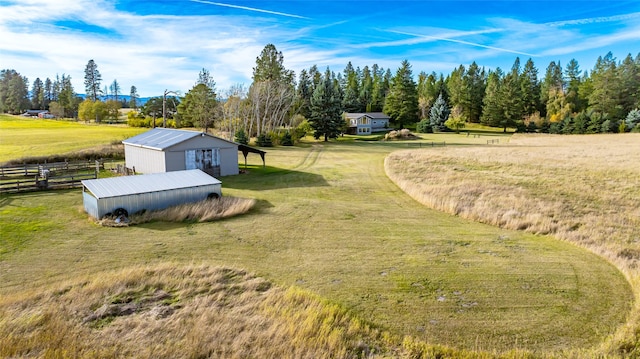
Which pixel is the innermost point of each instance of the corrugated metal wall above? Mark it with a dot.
(148, 201)
(145, 160)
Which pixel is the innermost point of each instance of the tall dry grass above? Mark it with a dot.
(179, 312)
(583, 189)
(202, 211)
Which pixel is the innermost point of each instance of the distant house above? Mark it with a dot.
(38, 114)
(130, 194)
(367, 122)
(166, 150)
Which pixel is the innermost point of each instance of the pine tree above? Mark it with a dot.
(37, 95)
(573, 80)
(303, 94)
(604, 97)
(401, 103)
(366, 90)
(326, 111)
(133, 97)
(379, 89)
(474, 85)
(492, 114)
(530, 89)
(92, 79)
(351, 90)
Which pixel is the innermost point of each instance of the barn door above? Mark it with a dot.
(203, 159)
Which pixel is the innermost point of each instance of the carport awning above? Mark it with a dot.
(248, 149)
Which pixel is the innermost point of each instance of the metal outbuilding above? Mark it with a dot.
(165, 150)
(147, 192)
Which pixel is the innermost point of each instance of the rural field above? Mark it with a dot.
(337, 260)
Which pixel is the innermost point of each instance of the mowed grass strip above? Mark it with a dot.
(583, 189)
(327, 219)
(22, 137)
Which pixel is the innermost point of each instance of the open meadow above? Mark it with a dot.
(334, 254)
(582, 189)
(22, 137)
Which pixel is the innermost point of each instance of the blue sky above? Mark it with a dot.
(162, 45)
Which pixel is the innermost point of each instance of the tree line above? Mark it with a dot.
(278, 106)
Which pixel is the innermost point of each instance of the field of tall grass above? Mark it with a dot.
(582, 189)
(332, 260)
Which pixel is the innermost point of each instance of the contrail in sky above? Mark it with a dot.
(464, 43)
(251, 9)
(595, 20)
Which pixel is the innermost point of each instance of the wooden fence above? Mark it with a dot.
(34, 177)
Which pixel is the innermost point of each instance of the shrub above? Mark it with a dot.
(264, 140)
(241, 137)
(424, 126)
(287, 139)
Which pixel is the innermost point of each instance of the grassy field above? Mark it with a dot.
(22, 137)
(583, 189)
(329, 221)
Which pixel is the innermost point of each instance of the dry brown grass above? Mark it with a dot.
(583, 189)
(203, 211)
(179, 312)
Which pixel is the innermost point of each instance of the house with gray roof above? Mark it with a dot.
(366, 123)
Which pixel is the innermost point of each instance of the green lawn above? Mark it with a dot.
(329, 220)
(22, 137)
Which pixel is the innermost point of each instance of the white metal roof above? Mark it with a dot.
(155, 182)
(162, 138)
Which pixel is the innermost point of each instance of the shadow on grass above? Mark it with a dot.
(259, 178)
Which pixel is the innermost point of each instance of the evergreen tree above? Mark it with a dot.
(326, 112)
(553, 81)
(401, 103)
(530, 89)
(629, 84)
(604, 97)
(632, 121)
(198, 106)
(492, 114)
(205, 78)
(67, 97)
(133, 98)
(427, 93)
(115, 89)
(456, 87)
(37, 95)
(351, 90)
(439, 114)
(14, 92)
(379, 89)
(270, 66)
(303, 94)
(572, 75)
(48, 92)
(474, 83)
(92, 79)
(511, 104)
(366, 90)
